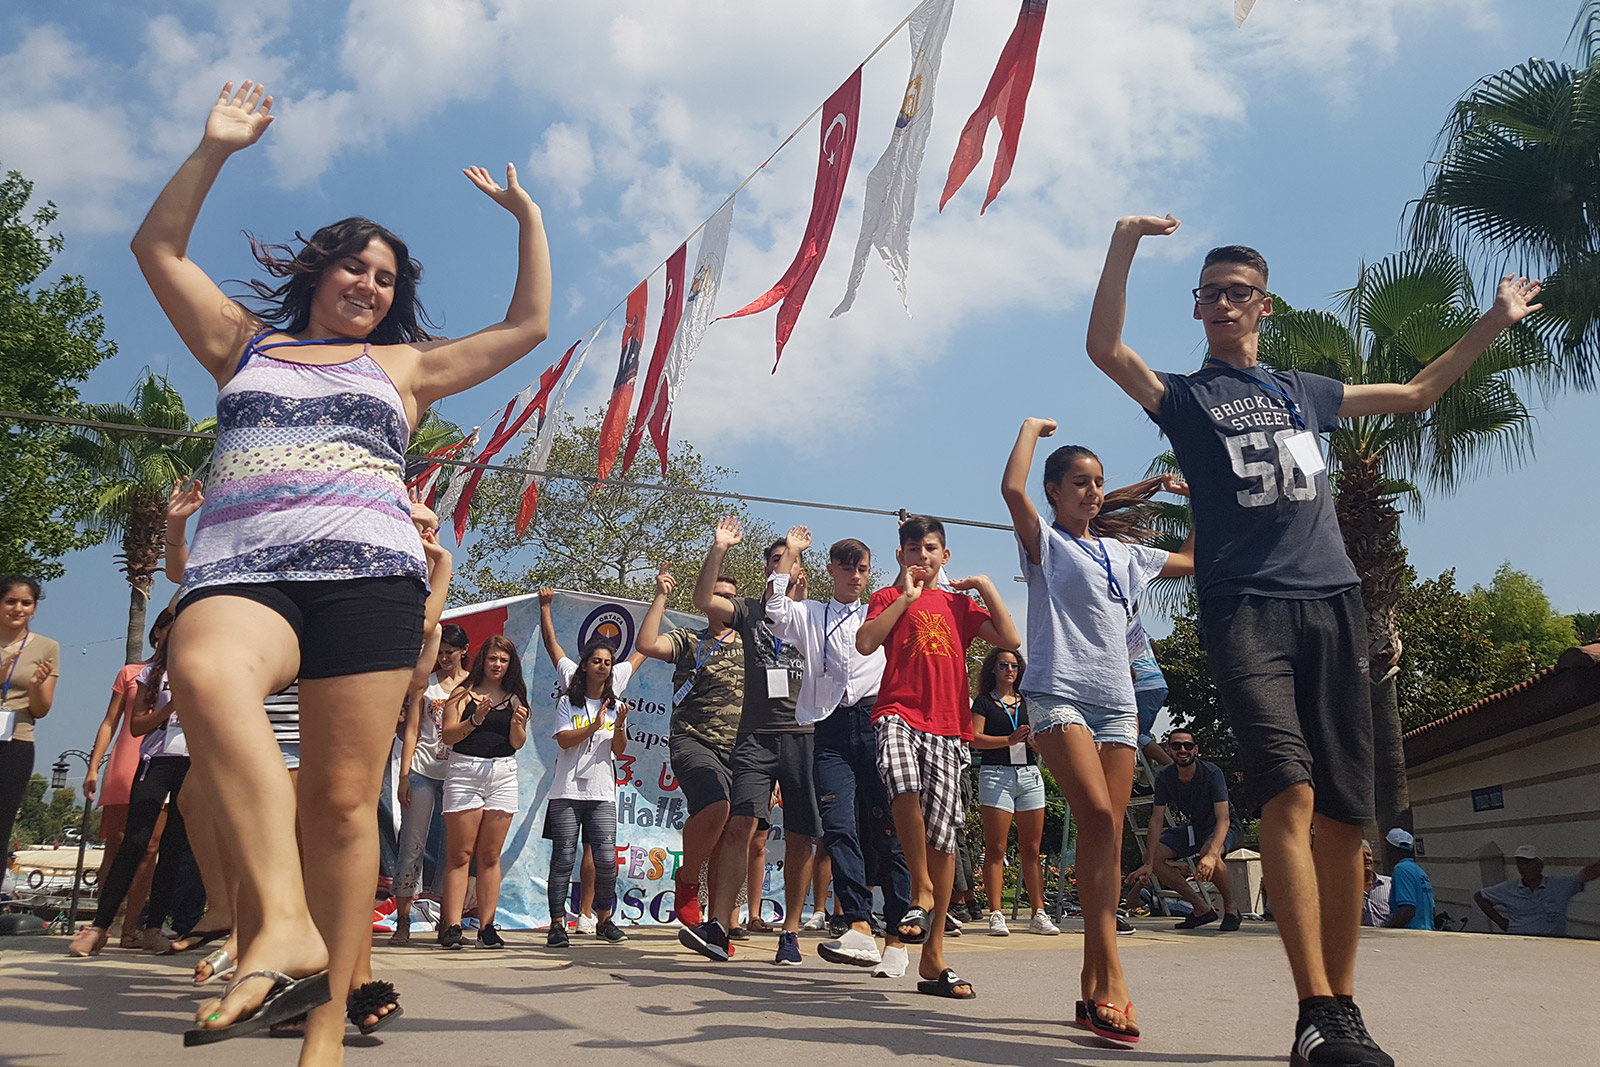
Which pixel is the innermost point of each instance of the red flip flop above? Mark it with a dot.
(1092, 1019)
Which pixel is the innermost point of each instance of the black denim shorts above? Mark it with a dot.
(703, 771)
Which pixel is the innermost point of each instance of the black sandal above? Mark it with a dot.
(1126, 1032)
(287, 997)
(366, 999)
(945, 986)
(917, 917)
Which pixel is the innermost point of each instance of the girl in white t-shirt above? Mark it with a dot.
(590, 729)
(1083, 579)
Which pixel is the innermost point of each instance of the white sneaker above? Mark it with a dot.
(997, 925)
(896, 960)
(587, 924)
(1041, 924)
(854, 949)
(817, 921)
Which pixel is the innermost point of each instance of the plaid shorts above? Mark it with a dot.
(910, 761)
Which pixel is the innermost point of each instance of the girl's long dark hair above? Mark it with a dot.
(986, 672)
(287, 306)
(578, 688)
(1124, 514)
(512, 682)
(158, 670)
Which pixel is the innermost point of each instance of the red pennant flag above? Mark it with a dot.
(424, 476)
(503, 435)
(655, 380)
(627, 372)
(833, 166)
(1005, 99)
(541, 403)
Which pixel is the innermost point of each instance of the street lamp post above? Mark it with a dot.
(58, 780)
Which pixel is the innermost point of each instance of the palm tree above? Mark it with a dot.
(134, 472)
(1518, 181)
(1402, 313)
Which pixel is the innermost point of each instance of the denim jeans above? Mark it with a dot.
(415, 823)
(857, 825)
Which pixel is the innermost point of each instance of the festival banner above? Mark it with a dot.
(838, 145)
(1005, 99)
(700, 308)
(655, 390)
(650, 807)
(627, 372)
(891, 196)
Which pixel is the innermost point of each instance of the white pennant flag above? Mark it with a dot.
(891, 196)
(546, 438)
(700, 303)
(1241, 10)
(459, 476)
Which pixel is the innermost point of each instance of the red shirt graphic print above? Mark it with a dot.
(925, 661)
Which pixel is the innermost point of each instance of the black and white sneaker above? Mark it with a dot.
(1327, 1035)
(1123, 925)
(489, 937)
(709, 939)
(1376, 1055)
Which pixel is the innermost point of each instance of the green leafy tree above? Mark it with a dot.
(1402, 313)
(1516, 181)
(1451, 658)
(1521, 618)
(41, 821)
(610, 540)
(133, 474)
(50, 337)
(1587, 626)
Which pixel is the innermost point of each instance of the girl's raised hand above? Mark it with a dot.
(239, 118)
(513, 197)
(185, 499)
(1172, 483)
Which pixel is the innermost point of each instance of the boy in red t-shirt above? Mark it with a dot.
(923, 722)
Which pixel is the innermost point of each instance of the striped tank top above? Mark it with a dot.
(307, 476)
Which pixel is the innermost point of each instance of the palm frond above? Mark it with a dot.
(1392, 289)
(1313, 341)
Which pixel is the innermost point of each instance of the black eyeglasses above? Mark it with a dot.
(1236, 294)
(1006, 667)
(1182, 746)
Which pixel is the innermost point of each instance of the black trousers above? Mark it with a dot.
(157, 783)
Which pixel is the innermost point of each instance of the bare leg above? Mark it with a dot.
(215, 870)
(461, 833)
(821, 879)
(1337, 857)
(700, 836)
(913, 834)
(227, 654)
(755, 877)
(796, 880)
(996, 834)
(1030, 838)
(1287, 866)
(942, 870)
(491, 840)
(731, 869)
(585, 883)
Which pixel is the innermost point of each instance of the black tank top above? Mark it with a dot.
(492, 738)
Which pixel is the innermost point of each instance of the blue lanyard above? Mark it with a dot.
(5, 690)
(829, 631)
(1269, 386)
(1013, 711)
(1104, 559)
(700, 655)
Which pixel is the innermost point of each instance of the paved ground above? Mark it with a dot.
(1204, 998)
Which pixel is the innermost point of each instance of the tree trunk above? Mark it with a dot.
(143, 546)
(1370, 524)
(136, 605)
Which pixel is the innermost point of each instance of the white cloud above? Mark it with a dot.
(565, 160)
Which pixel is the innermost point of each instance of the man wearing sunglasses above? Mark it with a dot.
(1202, 828)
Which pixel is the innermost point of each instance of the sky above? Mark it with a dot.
(1304, 133)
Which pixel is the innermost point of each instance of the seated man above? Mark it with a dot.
(1375, 898)
(1198, 791)
(1532, 904)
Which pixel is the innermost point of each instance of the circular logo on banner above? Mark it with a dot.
(612, 623)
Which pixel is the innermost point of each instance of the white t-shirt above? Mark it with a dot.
(584, 771)
(1077, 625)
(166, 739)
(432, 754)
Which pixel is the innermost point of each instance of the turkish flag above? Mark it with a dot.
(1005, 99)
(655, 380)
(839, 115)
(627, 372)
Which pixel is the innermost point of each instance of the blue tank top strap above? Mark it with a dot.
(250, 346)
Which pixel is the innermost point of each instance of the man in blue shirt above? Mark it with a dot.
(1411, 891)
(1533, 904)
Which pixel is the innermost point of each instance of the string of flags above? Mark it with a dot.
(688, 303)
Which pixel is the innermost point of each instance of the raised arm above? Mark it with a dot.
(874, 632)
(999, 630)
(547, 627)
(1014, 484)
(785, 617)
(1180, 564)
(652, 642)
(185, 499)
(447, 367)
(1511, 306)
(213, 327)
(718, 609)
(1121, 363)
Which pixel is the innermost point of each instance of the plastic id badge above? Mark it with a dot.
(1019, 754)
(777, 683)
(1307, 452)
(681, 694)
(8, 726)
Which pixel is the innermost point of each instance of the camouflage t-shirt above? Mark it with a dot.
(710, 710)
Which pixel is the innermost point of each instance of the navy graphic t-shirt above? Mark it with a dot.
(1262, 525)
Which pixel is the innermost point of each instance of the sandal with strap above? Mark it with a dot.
(366, 999)
(88, 942)
(219, 962)
(288, 996)
(917, 917)
(945, 986)
(1126, 1032)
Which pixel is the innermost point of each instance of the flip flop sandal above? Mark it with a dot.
(294, 1027)
(917, 917)
(197, 938)
(1194, 922)
(366, 999)
(219, 962)
(945, 986)
(1081, 1010)
(287, 997)
(1127, 1033)
(92, 950)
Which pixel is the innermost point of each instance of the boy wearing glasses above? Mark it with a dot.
(1191, 820)
(1281, 614)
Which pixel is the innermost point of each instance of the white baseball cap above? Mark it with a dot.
(1399, 838)
(1527, 852)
